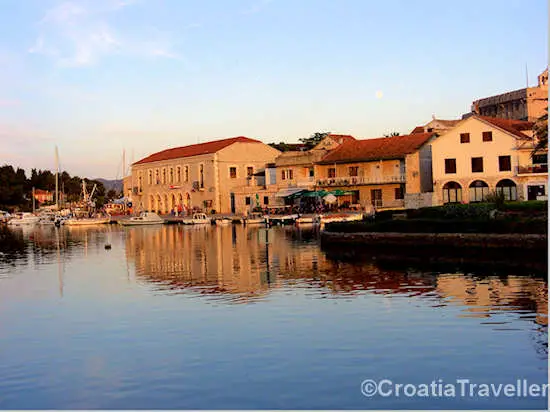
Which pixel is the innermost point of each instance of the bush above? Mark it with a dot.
(497, 198)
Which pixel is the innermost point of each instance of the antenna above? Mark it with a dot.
(526, 77)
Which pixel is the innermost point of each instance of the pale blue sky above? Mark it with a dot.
(97, 76)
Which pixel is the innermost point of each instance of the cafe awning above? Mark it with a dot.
(289, 192)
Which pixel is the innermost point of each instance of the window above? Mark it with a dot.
(150, 177)
(540, 159)
(207, 204)
(487, 136)
(283, 175)
(247, 200)
(478, 191)
(464, 137)
(157, 178)
(178, 174)
(508, 189)
(450, 165)
(354, 171)
(201, 176)
(376, 197)
(477, 164)
(266, 200)
(504, 163)
(163, 176)
(186, 173)
(452, 193)
(311, 172)
(331, 172)
(140, 184)
(249, 171)
(233, 172)
(171, 175)
(287, 174)
(399, 193)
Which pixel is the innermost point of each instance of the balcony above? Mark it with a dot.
(354, 181)
(540, 168)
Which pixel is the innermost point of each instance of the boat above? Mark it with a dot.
(197, 219)
(24, 219)
(224, 221)
(282, 219)
(4, 216)
(144, 218)
(254, 219)
(87, 221)
(340, 218)
(307, 220)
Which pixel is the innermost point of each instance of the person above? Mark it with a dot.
(180, 209)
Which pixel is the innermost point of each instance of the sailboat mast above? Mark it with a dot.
(56, 179)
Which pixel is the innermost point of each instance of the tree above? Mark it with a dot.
(112, 194)
(540, 130)
(392, 134)
(314, 139)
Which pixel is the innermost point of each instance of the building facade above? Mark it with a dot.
(528, 103)
(197, 177)
(482, 155)
(387, 173)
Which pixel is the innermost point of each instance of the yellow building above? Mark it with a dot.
(388, 172)
(200, 176)
(485, 154)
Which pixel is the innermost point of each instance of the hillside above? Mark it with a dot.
(115, 184)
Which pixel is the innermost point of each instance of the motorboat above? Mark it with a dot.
(254, 219)
(23, 219)
(4, 216)
(224, 221)
(282, 219)
(87, 221)
(197, 219)
(144, 218)
(307, 220)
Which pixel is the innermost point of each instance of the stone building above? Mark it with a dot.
(487, 154)
(197, 177)
(528, 103)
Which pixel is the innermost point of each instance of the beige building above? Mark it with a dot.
(388, 172)
(436, 126)
(292, 171)
(528, 103)
(197, 177)
(485, 154)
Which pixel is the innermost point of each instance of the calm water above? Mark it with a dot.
(233, 317)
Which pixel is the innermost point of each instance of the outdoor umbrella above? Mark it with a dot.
(330, 198)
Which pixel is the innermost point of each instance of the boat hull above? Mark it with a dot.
(86, 222)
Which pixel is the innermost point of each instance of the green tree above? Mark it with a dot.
(314, 139)
(392, 134)
(540, 130)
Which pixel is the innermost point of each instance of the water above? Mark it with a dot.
(240, 318)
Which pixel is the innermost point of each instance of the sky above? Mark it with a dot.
(96, 77)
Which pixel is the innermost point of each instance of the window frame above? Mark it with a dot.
(479, 158)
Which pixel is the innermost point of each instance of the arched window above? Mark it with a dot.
(478, 191)
(171, 175)
(452, 192)
(163, 176)
(178, 174)
(508, 188)
(150, 177)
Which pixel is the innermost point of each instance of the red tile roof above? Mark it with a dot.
(418, 129)
(345, 137)
(195, 149)
(376, 149)
(512, 126)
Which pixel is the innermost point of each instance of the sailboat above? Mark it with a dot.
(83, 216)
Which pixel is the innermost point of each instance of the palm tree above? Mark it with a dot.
(392, 134)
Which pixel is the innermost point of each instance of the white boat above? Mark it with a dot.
(224, 221)
(87, 221)
(197, 219)
(23, 219)
(254, 219)
(340, 218)
(308, 220)
(4, 216)
(144, 218)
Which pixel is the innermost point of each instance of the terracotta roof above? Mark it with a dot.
(345, 137)
(376, 149)
(512, 126)
(418, 129)
(195, 149)
(448, 123)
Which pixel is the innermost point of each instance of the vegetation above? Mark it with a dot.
(541, 133)
(496, 216)
(392, 134)
(314, 139)
(16, 188)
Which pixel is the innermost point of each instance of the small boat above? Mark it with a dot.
(254, 219)
(307, 220)
(4, 216)
(197, 219)
(23, 219)
(87, 221)
(144, 218)
(224, 221)
(282, 219)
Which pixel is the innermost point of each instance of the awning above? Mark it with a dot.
(289, 192)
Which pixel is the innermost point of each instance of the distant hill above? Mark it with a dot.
(112, 184)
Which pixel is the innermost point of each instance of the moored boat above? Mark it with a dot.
(24, 219)
(197, 219)
(224, 221)
(254, 219)
(144, 218)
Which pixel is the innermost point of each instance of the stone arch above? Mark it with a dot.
(151, 202)
(452, 192)
(166, 204)
(479, 190)
(159, 204)
(508, 188)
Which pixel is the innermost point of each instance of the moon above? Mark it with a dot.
(379, 94)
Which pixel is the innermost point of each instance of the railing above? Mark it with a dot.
(538, 168)
(350, 181)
